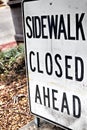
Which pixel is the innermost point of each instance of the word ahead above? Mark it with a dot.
(47, 96)
(57, 25)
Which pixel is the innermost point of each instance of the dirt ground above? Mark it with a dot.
(14, 107)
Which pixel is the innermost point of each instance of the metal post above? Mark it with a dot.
(37, 121)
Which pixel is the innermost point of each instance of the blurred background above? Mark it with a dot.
(14, 105)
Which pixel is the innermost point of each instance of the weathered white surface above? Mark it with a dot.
(74, 50)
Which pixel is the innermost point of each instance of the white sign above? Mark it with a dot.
(56, 49)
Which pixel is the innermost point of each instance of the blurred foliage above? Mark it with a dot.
(14, 106)
(12, 59)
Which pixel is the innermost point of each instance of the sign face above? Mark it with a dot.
(56, 50)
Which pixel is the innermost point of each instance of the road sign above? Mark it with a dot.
(56, 54)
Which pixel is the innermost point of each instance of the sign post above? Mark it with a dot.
(56, 53)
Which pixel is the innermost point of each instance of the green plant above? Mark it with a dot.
(13, 59)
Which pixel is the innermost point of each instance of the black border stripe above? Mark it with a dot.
(24, 33)
(26, 63)
(29, 0)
